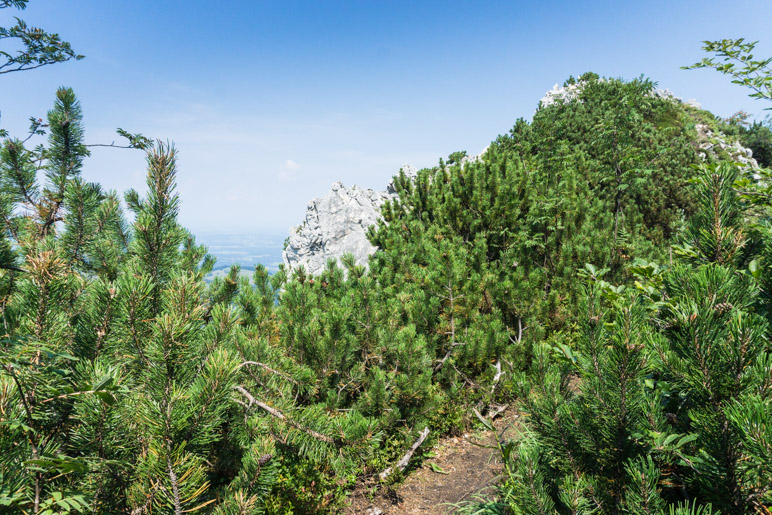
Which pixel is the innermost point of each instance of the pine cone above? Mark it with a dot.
(722, 308)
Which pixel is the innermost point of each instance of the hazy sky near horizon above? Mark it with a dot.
(270, 102)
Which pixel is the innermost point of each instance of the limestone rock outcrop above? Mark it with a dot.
(409, 170)
(571, 92)
(709, 143)
(335, 224)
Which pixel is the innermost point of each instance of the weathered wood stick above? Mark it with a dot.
(497, 376)
(402, 463)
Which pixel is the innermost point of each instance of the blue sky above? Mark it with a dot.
(271, 102)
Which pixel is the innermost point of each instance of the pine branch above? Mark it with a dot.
(111, 145)
(447, 355)
(278, 414)
(28, 411)
(9, 267)
(173, 479)
(269, 369)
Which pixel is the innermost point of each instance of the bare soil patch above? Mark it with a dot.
(465, 467)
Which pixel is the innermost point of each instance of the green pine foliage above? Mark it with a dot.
(130, 385)
(116, 390)
(665, 396)
(483, 254)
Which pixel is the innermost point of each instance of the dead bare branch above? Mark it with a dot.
(497, 377)
(269, 369)
(402, 463)
(278, 414)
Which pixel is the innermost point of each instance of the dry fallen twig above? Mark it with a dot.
(402, 463)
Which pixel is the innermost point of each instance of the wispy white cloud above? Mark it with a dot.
(239, 160)
(289, 173)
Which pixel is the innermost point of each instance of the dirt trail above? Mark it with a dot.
(465, 467)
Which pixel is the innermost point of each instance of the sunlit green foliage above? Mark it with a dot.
(665, 395)
(734, 57)
(130, 385)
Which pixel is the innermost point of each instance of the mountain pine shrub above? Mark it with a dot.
(663, 400)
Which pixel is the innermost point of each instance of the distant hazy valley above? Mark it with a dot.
(246, 250)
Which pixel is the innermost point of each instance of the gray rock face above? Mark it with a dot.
(409, 170)
(710, 143)
(335, 224)
(564, 93)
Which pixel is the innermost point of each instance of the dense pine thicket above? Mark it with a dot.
(662, 395)
(583, 266)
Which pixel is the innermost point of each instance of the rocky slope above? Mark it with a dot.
(711, 144)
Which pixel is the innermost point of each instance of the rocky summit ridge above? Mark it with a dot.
(337, 223)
